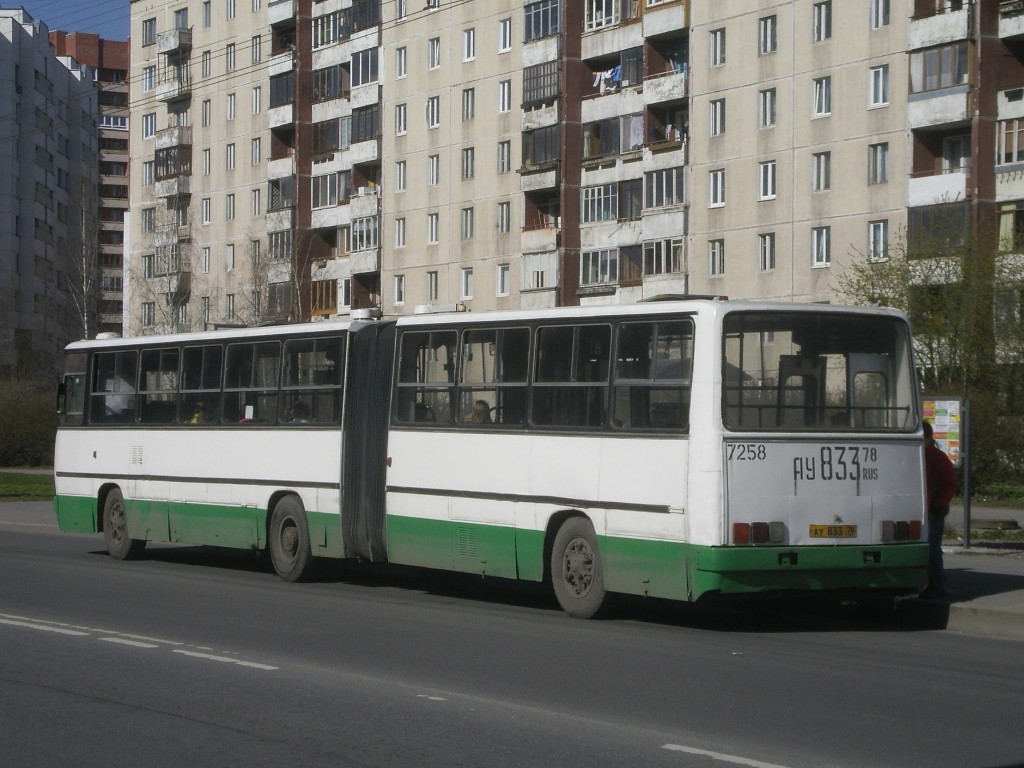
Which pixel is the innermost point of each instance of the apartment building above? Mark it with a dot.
(108, 62)
(48, 153)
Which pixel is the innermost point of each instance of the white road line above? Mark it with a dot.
(123, 641)
(44, 628)
(225, 659)
(721, 756)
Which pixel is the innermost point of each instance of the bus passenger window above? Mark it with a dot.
(652, 375)
(426, 377)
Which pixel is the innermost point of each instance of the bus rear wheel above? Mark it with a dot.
(576, 569)
(115, 529)
(290, 550)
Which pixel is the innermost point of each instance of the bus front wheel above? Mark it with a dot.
(115, 529)
(289, 540)
(576, 569)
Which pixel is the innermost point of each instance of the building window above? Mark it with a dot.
(716, 190)
(207, 14)
(400, 175)
(324, 190)
(433, 111)
(400, 119)
(229, 57)
(822, 21)
(230, 8)
(229, 154)
(879, 86)
(401, 62)
(766, 251)
(399, 290)
(257, 100)
(663, 188)
(255, 204)
(600, 203)
(956, 152)
(767, 105)
(504, 35)
(540, 19)
(148, 172)
(256, 46)
(206, 162)
(716, 117)
(433, 170)
(148, 31)
(400, 232)
(433, 228)
(229, 206)
(207, 63)
(504, 217)
(466, 221)
(822, 96)
(401, 9)
(229, 306)
(717, 43)
(716, 257)
(466, 283)
(878, 163)
(505, 96)
(149, 220)
(206, 112)
(229, 257)
(504, 156)
(364, 234)
(149, 125)
(205, 263)
(663, 257)
(821, 246)
(431, 286)
(255, 151)
(941, 67)
(468, 103)
(468, 163)
(766, 180)
(433, 53)
(148, 313)
(148, 78)
(878, 240)
(468, 44)
(599, 267)
(767, 35)
(230, 106)
(364, 67)
(879, 14)
(821, 170)
(206, 211)
(503, 280)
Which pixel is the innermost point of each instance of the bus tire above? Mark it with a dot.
(576, 575)
(115, 529)
(290, 550)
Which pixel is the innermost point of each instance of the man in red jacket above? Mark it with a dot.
(940, 488)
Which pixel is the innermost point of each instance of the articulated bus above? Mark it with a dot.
(683, 449)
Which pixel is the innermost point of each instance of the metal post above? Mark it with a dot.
(965, 461)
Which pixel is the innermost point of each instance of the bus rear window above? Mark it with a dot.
(820, 372)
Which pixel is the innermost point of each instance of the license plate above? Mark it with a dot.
(833, 531)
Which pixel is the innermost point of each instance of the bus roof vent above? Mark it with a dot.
(367, 313)
(431, 309)
(107, 335)
(683, 297)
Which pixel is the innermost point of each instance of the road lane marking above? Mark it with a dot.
(721, 756)
(44, 628)
(125, 641)
(123, 638)
(225, 659)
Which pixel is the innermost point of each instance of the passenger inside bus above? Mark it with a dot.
(480, 413)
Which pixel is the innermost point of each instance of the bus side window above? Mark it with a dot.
(112, 400)
(426, 377)
(652, 375)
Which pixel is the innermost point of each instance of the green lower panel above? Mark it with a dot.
(325, 534)
(644, 567)
(214, 524)
(453, 546)
(738, 570)
(76, 514)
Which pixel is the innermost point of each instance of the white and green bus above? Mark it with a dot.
(682, 449)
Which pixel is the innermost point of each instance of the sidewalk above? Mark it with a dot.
(985, 582)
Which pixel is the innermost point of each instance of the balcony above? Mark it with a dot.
(178, 136)
(175, 41)
(937, 188)
(284, 166)
(283, 115)
(174, 186)
(281, 63)
(364, 202)
(1011, 19)
(940, 28)
(361, 262)
(543, 176)
(540, 240)
(279, 11)
(670, 86)
(945, 108)
(365, 151)
(541, 117)
(177, 84)
(331, 218)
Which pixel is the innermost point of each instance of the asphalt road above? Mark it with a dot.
(202, 656)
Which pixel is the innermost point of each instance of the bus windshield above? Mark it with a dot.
(813, 371)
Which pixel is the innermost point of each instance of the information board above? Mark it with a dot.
(945, 415)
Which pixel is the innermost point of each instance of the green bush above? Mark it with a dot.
(28, 423)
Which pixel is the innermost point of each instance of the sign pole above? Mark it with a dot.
(965, 429)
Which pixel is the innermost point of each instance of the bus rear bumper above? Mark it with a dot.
(892, 568)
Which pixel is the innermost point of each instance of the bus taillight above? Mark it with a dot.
(901, 530)
(773, 532)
